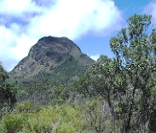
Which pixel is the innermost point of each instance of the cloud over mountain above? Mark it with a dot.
(22, 23)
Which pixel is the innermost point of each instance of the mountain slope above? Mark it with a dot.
(52, 60)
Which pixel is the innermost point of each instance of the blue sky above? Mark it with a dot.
(96, 45)
(89, 23)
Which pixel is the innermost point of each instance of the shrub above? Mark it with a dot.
(56, 119)
(12, 123)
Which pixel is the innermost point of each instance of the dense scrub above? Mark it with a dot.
(28, 118)
(93, 116)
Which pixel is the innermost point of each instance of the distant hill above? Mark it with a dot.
(51, 61)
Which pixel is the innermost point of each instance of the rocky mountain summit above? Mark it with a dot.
(52, 59)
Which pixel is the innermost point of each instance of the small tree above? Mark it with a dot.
(3, 75)
(7, 93)
(128, 81)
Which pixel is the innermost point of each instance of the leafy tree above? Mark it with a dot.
(3, 75)
(128, 81)
(7, 93)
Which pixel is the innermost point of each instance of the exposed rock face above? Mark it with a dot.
(52, 55)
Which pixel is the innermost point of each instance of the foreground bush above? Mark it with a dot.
(57, 119)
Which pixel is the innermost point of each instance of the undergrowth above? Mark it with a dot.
(27, 118)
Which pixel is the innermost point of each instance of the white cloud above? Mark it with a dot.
(23, 44)
(150, 9)
(18, 7)
(95, 57)
(74, 18)
(7, 41)
(13, 46)
(26, 21)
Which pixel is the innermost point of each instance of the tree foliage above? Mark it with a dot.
(128, 81)
(7, 93)
(3, 75)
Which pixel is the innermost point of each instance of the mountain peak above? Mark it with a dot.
(54, 49)
(50, 54)
(49, 39)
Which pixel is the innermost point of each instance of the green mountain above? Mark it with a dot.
(51, 61)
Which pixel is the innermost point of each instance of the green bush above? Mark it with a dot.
(71, 116)
(27, 107)
(56, 119)
(12, 123)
